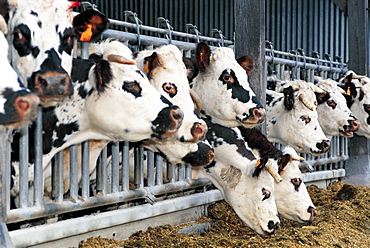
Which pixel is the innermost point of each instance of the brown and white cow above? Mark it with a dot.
(292, 118)
(112, 101)
(41, 42)
(223, 88)
(167, 73)
(18, 105)
(357, 88)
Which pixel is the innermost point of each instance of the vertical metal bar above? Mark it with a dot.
(125, 173)
(85, 174)
(73, 172)
(38, 193)
(139, 172)
(181, 172)
(170, 172)
(150, 168)
(58, 176)
(159, 166)
(23, 168)
(115, 167)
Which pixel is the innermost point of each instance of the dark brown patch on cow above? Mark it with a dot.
(93, 19)
(231, 176)
(247, 63)
(103, 75)
(288, 98)
(170, 89)
(202, 54)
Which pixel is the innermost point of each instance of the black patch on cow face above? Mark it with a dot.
(170, 89)
(229, 78)
(80, 69)
(218, 135)
(361, 96)
(288, 98)
(132, 87)
(200, 157)
(211, 165)
(22, 41)
(63, 130)
(367, 110)
(269, 99)
(331, 103)
(34, 13)
(322, 97)
(166, 101)
(66, 41)
(296, 182)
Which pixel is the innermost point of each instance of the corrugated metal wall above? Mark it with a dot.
(313, 25)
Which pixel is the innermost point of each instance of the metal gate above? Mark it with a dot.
(117, 200)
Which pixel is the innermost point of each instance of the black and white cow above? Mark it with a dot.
(357, 88)
(167, 73)
(41, 42)
(112, 101)
(223, 88)
(18, 105)
(292, 118)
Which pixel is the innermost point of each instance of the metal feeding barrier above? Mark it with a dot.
(129, 184)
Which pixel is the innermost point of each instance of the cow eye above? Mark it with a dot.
(266, 194)
(132, 87)
(228, 78)
(306, 118)
(331, 103)
(170, 89)
(367, 107)
(296, 182)
(18, 35)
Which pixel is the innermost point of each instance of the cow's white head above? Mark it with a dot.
(246, 186)
(357, 90)
(335, 117)
(167, 73)
(292, 199)
(223, 88)
(18, 105)
(292, 117)
(41, 43)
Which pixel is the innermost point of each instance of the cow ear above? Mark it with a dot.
(260, 165)
(283, 161)
(103, 75)
(288, 98)
(203, 53)
(322, 97)
(151, 62)
(247, 63)
(191, 69)
(90, 24)
(350, 89)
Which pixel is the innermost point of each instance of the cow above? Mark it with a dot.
(167, 73)
(41, 38)
(109, 85)
(356, 89)
(246, 184)
(335, 118)
(18, 105)
(292, 117)
(223, 88)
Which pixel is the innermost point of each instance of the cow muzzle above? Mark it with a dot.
(168, 122)
(348, 130)
(51, 86)
(256, 116)
(322, 147)
(313, 213)
(202, 157)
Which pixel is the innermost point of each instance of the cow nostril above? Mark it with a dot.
(271, 225)
(324, 145)
(41, 82)
(23, 105)
(355, 124)
(177, 114)
(258, 113)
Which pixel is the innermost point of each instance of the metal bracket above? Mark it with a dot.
(88, 6)
(328, 58)
(294, 53)
(221, 37)
(271, 53)
(131, 16)
(301, 52)
(162, 22)
(317, 62)
(190, 28)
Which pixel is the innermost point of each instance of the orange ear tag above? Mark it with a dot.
(86, 35)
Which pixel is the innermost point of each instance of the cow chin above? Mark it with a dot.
(346, 134)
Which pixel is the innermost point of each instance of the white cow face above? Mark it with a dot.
(223, 88)
(41, 43)
(248, 189)
(292, 118)
(292, 199)
(18, 105)
(335, 118)
(357, 90)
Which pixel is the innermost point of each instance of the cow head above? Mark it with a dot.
(18, 105)
(292, 199)
(246, 184)
(292, 117)
(41, 39)
(223, 88)
(167, 73)
(357, 90)
(335, 117)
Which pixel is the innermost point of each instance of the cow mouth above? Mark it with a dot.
(346, 134)
(302, 221)
(49, 99)
(316, 152)
(266, 233)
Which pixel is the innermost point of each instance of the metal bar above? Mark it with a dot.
(23, 168)
(125, 174)
(115, 167)
(85, 173)
(73, 172)
(150, 168)
(38, 196)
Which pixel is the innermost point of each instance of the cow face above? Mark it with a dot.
(167, 73)
(18, 105)
(223, 88)
(292, 199)
(41, 46)
(335, 117)
(292, 118)
(249, 189)
(357, 90)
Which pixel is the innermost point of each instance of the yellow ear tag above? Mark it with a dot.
(348, 92)
(87, 34)
(258, 163)
(146, 67)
